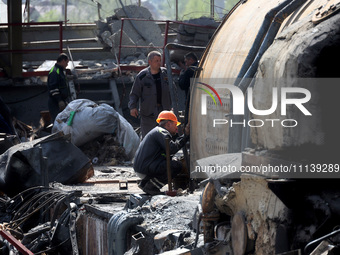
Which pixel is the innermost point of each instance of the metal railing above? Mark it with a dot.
(30, 51)
(27, 51)
(60, 48)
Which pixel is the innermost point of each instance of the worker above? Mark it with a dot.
(186, 74)
(150, 162)
(151, 89)
(188, 71)
(59, 92)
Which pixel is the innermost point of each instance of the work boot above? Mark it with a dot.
(151, 189)
(142, 183)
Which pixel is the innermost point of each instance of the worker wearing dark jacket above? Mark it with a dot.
(186, 74)
(151, 90)
(150, 158)
(59, 92)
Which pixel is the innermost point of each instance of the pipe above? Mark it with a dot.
(168, 165)
(319, 240)
(171, 85)
(212, 9)
(259, 38)
(117, 229)
(176, 10)
(235, 133)
(110, 231)
(132, 23)
(268, 40)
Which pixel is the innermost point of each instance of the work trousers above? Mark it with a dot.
(147, 123)
(53, 108)
(159, 174)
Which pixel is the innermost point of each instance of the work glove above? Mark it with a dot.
(61, 105)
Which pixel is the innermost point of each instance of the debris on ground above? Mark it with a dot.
(105, 150)
(85, 121)
(48, 159)
(39, 220)
(158, 224)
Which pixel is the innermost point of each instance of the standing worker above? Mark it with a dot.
(150, 162)
(59, 92)
(151, 89)
(191, 62)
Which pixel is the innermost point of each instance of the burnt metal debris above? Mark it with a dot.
(44, 160)
(42, 218)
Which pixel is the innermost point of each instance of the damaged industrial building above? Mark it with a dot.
(260, 170)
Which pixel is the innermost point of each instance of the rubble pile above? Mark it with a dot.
(194, 35)
(105, 150)
(135, 32)
(23, 219)
(165, 223)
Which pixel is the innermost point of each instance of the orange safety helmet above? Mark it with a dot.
(167, 115)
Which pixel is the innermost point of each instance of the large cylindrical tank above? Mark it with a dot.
(304, 46)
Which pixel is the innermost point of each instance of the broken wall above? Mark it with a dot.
(198, 34)
(135, 33)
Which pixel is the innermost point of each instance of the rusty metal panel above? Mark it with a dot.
(16, 243)
(92, 237)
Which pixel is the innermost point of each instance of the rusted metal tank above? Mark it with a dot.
(263, 99)
(270, 46)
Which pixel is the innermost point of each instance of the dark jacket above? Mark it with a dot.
(57, 84)
(144, 91)
(184, 78)
(151, 151)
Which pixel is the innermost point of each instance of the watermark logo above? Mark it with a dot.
(239, 99)
(280, 100)
(204, 98)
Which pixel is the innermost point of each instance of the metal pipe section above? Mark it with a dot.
(117, 231)
(120, 41)
(212, 9)
(268, 40)
(259, 38)
(132, 23)
(65, 11)
(235, 133)
(308, 246)
(168, 165)
(165, 39)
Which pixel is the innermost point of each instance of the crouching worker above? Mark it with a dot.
(150, 158)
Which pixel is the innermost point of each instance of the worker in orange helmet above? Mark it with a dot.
(150, 158)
